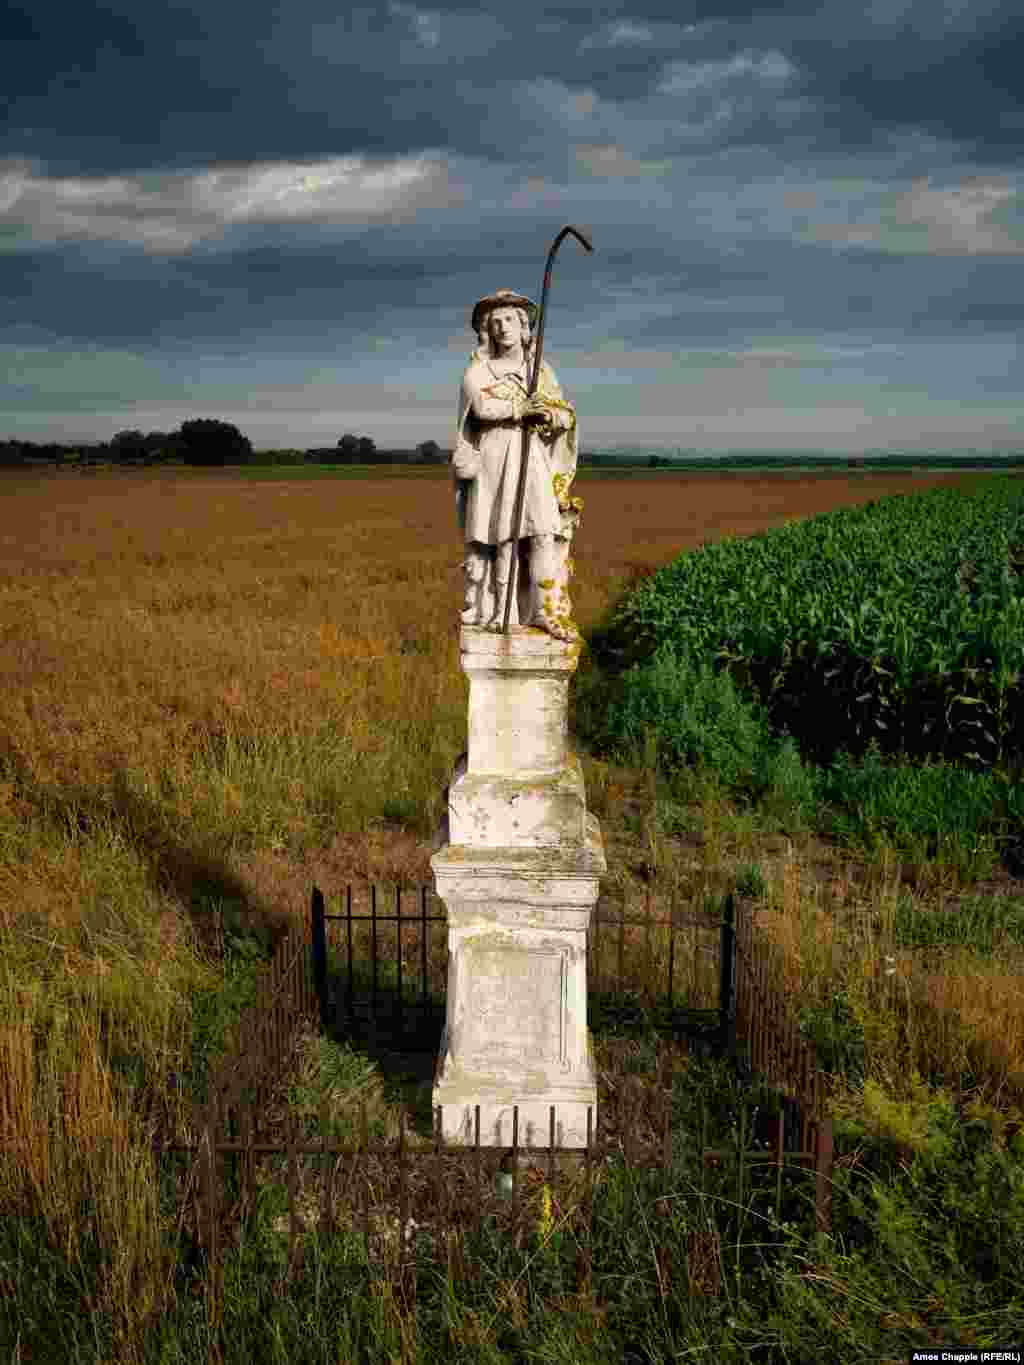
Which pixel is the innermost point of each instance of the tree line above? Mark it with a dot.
(207, 441)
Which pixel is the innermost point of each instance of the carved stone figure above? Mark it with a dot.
(494, 404)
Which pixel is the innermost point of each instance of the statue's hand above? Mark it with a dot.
(534, 410)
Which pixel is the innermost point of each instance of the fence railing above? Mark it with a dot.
(776, 1050)
(746, 961)
(345, 1006)
(375, 918)
(428, 1180)
(261, 1041)
(295, 988)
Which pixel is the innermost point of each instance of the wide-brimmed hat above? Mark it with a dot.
(503, 298)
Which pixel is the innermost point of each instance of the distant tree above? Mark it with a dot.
(128, 447)
(367, 450)
(12, 453)
(207, 441)
(348, 448)
(429, 452)
(159, 447)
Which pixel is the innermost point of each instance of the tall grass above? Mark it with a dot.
(218, 692)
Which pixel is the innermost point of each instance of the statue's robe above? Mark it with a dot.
(488, 450)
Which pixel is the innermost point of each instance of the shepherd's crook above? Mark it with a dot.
(517, 518)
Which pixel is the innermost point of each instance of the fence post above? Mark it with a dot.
(211, 1201)
(288, 980)
(348, 931)
(823, 1180)
(320, 955)
(277, 1016)
(398, 1020)
(294, 1247)
(307, 981)
(423, 954)
(672, 949)
(587, 1267)
(373, 942)
(726, 976)
(403, 1191)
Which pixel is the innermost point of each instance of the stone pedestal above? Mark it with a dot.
(519, 870)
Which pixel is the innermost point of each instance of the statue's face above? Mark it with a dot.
(505, 328)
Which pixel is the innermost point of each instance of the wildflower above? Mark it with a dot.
(545, 1217)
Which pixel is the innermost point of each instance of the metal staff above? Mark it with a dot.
(517, 517)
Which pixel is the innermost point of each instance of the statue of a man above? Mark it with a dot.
(493, 408)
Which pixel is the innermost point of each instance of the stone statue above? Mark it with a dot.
(493, 405)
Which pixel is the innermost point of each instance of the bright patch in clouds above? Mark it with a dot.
(959, 220)
(173, 212)
(426, 25)
(689, 78)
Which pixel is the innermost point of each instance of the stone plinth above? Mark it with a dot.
(488, 811)
(516, 1025)
(518, 701)
(519, 870)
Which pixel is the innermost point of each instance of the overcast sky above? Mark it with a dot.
(808, 219)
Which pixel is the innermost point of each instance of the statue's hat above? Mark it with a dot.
(503, 298)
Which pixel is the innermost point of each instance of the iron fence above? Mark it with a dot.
(774, 1047)
(432, 1180)
(344, 1006)
(297, 986)
(260, 1043)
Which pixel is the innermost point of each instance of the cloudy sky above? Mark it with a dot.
(808, 219)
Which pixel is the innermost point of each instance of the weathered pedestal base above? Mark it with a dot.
(460, 1093)
(519, 871)
(516, 1028)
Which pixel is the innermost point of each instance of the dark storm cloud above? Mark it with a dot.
(956, 80)
(219, 300)
(793, 191)
(108, 88)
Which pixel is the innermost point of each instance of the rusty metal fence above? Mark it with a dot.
(297, 990)
(259, 1045)
(353, 999)
(453, 1189)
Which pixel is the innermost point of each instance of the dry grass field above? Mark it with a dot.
(219, 689)
(146, 618)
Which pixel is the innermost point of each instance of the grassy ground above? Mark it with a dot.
(218, 691)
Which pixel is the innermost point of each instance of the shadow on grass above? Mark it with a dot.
(400, 1036)
(193, 873)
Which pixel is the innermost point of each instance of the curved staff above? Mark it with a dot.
(517, 517)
